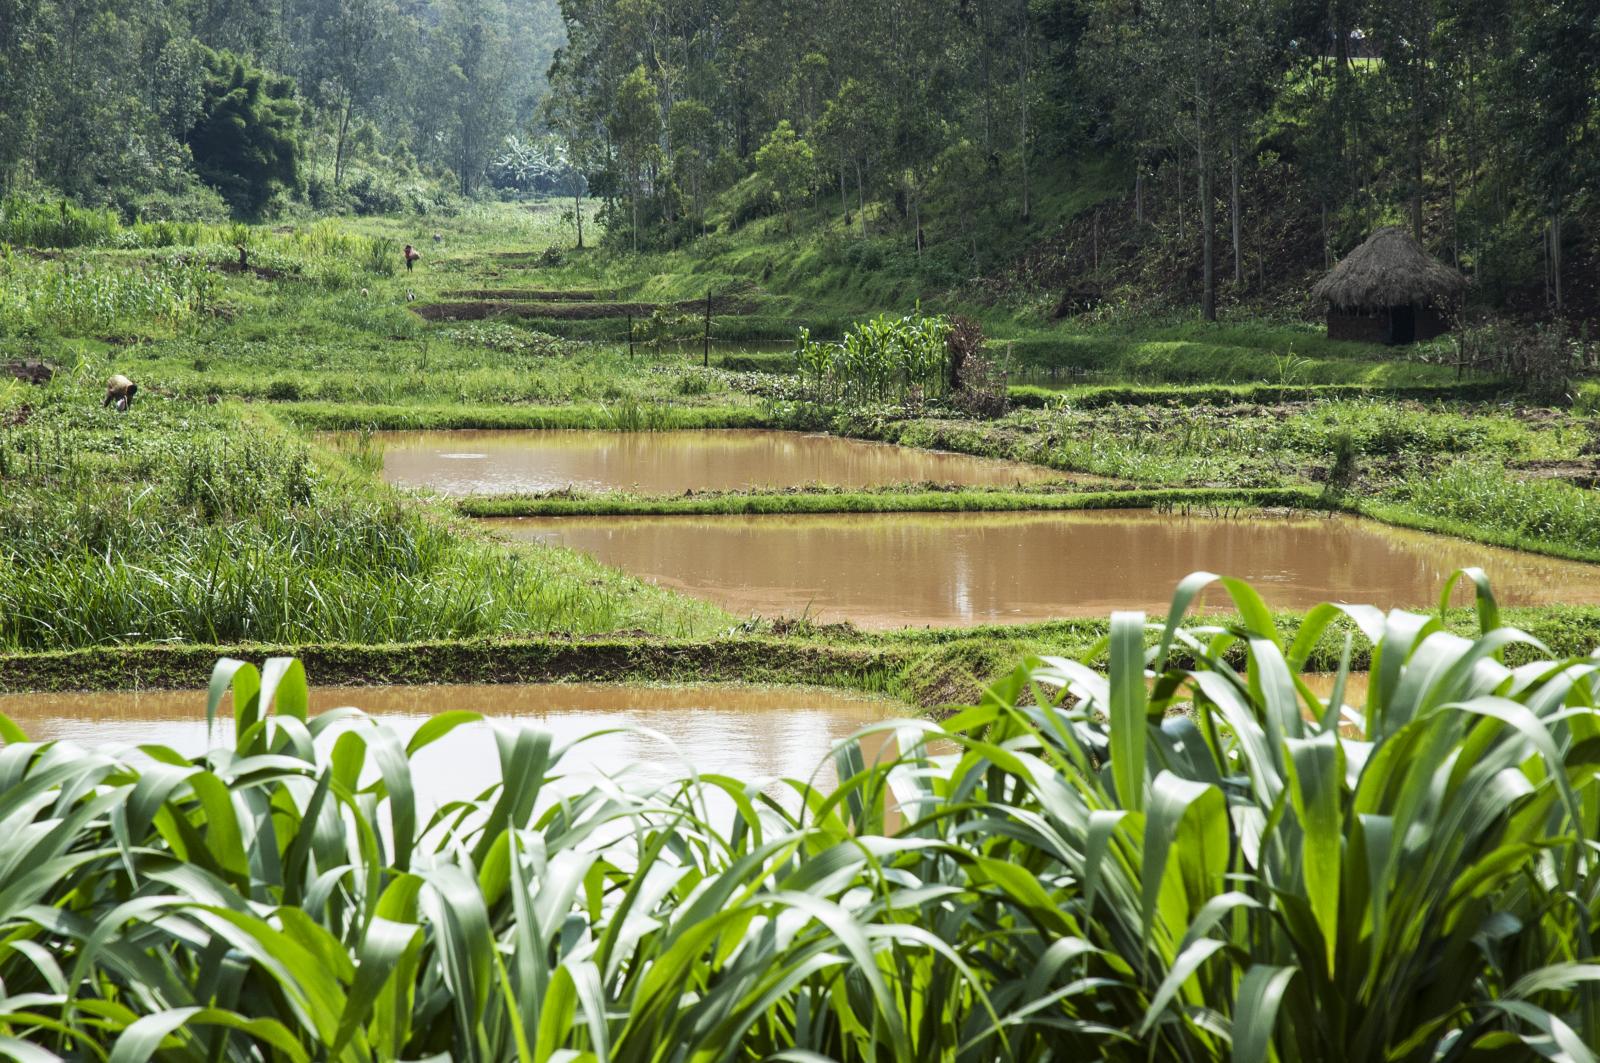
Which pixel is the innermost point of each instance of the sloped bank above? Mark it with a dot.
(620, 658)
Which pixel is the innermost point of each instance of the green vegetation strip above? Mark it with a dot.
(927, 667)
(330, 416)
(753, 659)
(888, 501)
(1030, 396)
(1513, 538)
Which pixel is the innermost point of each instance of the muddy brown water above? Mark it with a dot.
(657, 734)
(892, 570)
(670, 463)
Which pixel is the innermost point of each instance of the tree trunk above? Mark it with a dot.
(1455, 232)
(1208, 264)
(1177, 202)
(1138, 196)
(861, 198)
(1208, 298)
(1416, 182)
(1023, 62)
(1555, 260)
(984, 75)
(1327, 260)
(916, 217)
(1545, 273)
(339, 144)
(577, 209)
(1233, 214)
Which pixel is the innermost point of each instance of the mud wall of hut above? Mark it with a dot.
(1431, 323)
(1365, 328)
(1378, 326)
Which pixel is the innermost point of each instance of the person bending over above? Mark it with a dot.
(120, 391)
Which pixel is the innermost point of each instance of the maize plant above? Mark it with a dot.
(1188, 855)
(878, 361)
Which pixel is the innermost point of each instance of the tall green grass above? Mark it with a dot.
(172, 523)
(1536, 512)
(29, 222)
(1165, 861)
(1139, 358)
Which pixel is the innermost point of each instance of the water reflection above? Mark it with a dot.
(891, 570)
(653, 734)
(670, 463)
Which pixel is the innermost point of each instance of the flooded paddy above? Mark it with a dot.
(749, 732)
(953, 569)
(670, 463)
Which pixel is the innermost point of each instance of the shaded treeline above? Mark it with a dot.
(1470, 123)
(344, 102)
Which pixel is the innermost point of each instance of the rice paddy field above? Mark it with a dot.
(1058, 800)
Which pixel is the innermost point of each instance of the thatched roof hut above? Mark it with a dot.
(1389, 290)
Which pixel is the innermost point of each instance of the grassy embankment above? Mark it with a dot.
(320, 343)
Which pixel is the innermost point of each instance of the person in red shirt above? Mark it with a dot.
(411, 257)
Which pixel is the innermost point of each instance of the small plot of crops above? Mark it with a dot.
(83, 298)
(1164, 861)
(878, 361)
(905, 362)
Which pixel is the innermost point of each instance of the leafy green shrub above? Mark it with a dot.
(1586, 399)
(194, 203)
(1169, 861)
(283, 391)
(55, 224)
(373, 195)
(692, 384)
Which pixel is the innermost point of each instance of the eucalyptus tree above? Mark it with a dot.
(24, 49)
(1557, 52)
(1405, 34)
(691, 129)
(568, 113)
(785, 164)
(353, 57)
(635, 127)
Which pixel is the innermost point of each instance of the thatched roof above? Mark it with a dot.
(1389, 269)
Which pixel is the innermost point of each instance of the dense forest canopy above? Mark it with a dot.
(1238, 121)
(113, 101)
(1243, 138)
